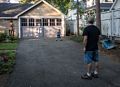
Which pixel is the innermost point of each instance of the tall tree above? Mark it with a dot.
(77, 18)
(98, 14)
(62, 5)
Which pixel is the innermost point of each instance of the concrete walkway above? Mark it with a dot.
(50, 63)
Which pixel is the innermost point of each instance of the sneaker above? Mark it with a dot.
(86, 77)
(95, 75)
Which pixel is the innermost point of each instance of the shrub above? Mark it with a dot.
(2, 37)
(13, 38)
(7, 61)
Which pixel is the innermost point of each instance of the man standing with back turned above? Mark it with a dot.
(91, 36)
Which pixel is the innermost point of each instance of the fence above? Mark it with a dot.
(110, 23)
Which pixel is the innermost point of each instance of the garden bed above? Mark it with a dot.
(7, 60)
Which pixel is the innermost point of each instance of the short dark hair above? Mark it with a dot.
(91, 20)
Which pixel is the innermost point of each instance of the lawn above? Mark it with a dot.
(8, 46)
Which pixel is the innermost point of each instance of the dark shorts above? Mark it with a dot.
(58, 36)
(91, 56)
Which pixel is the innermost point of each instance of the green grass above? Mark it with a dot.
(8, 46)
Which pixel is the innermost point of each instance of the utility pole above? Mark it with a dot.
(98, 14)
(77, 18)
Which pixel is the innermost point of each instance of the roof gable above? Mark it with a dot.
(38, 4)
(14, 10)
(41, 9)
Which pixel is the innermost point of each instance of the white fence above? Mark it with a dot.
(110, 23)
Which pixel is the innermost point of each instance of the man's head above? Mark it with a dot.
(91, 20)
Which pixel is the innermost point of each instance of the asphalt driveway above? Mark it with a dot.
(50, 63)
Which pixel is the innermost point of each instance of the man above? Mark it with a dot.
(90, 41)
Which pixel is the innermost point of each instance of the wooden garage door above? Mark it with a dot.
(31, 28)
(36, 28)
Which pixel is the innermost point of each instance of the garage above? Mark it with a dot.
(32, 20)
(40, 27)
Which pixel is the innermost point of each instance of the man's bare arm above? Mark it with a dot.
(85, 42)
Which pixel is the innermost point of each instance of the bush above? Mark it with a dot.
(7, 61)
(2, 37)
(12, 38)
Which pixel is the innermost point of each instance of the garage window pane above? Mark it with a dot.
(52, 22)
(58, 22)
(45, 21)
(31, 22)
(23, 22)
(38, 22)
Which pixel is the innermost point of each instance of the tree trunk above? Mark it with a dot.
(98, 14)
(77, 18)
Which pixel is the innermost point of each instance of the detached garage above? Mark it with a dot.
(32, 21)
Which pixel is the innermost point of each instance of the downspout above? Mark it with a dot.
(19, 26)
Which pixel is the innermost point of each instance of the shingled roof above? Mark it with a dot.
(12, 9)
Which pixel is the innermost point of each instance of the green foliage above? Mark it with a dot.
(2, 37)
(12, 38)
(78, 6)
(62, 5)
(6, 66)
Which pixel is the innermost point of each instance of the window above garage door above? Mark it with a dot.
(40, 22)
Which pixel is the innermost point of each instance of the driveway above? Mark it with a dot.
(50, 63)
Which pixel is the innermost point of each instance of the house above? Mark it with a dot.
(116, 5)
(72, 19)
(105, 5)
(90, 3)
(110, 21)
(32, 20)
(90, 9)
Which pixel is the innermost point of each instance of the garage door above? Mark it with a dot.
(31, 28)
(37, 28)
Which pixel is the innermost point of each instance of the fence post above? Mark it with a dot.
(112, 12)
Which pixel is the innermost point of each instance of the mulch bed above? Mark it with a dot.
(114, 53)
(3, 79)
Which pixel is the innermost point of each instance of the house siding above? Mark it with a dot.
(42, 10)
(6, 23)
(117, 5)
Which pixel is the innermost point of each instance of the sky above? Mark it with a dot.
(14, 1)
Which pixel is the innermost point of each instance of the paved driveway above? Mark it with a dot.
(50, 63)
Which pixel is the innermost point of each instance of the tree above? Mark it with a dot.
(62, 5)
(77, 18)
(98, 14)
(80, 10)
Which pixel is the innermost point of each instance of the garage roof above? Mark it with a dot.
(12, 9)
